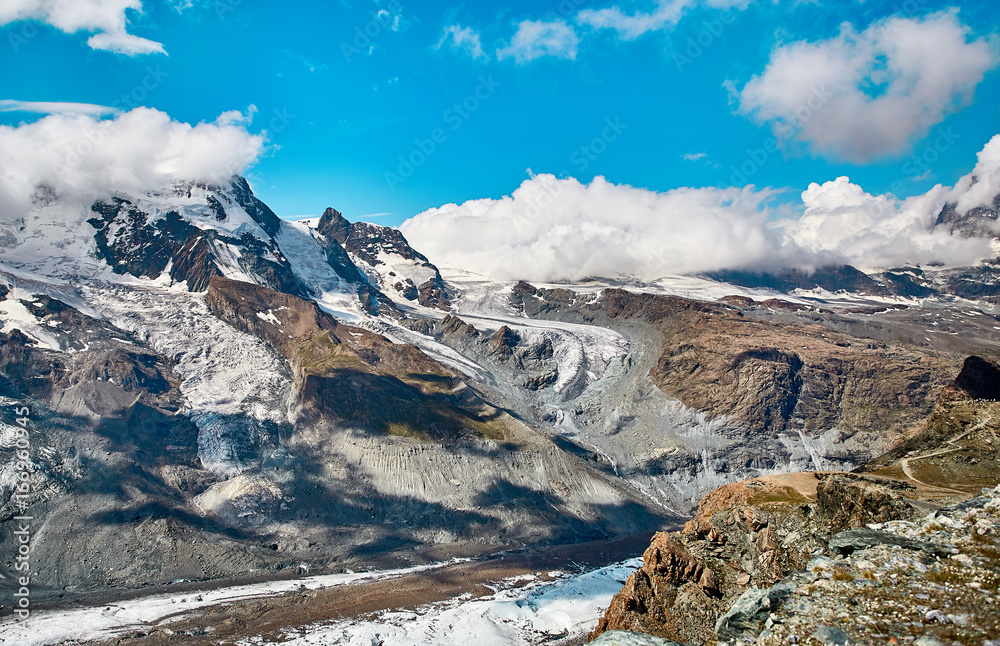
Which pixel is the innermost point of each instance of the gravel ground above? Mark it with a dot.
(888, 594)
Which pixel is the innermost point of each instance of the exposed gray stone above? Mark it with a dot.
(831, 635)
(750, 611)
(819, 563)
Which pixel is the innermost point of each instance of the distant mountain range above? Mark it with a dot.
(217, 392)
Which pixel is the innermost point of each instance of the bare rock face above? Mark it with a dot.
(671, 562)
(727, 570)
(978, 221)
(674, 595)
(774, 376)
(432, 294)
(504, 342)
(772, 380)
(452, 325)
(847, 503)
(979, 379)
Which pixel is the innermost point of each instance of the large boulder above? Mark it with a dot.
(854, 540)
(751, 610)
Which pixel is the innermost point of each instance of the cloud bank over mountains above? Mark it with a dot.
(549, 229)
(80, 157)
(560, 229)
(552, 229)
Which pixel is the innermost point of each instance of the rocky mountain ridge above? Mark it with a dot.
(135, 239)
(392, 262)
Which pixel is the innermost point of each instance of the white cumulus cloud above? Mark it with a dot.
(982, 185)
(537, 38)
(80, 157)
(105, 17)
(633, 25)
(844, 223)
(463, 39)
(867, 95)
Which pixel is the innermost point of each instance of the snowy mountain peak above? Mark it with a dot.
(387, 259)
(980, 221)
(334, 225)
(192, 234)
(186, 233)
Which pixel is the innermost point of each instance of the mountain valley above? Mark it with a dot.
(216, 393)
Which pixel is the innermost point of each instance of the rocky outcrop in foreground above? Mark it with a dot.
(842, 560)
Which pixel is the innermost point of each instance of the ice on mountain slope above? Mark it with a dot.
(54, 240)
(236, 387)
(605, 401)
(199, 206)
(193, 202)
(514, 614)
(391, 272)
(227, 259)
(582, 352)
(15, 316)
(297, 241)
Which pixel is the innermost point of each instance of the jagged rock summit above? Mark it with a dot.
(388, 258)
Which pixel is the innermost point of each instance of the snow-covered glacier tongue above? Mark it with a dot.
(235, 386)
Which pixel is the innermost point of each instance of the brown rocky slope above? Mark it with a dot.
(347, 374)
(859, 562)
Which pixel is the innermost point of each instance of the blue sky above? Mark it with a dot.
(478, 95)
